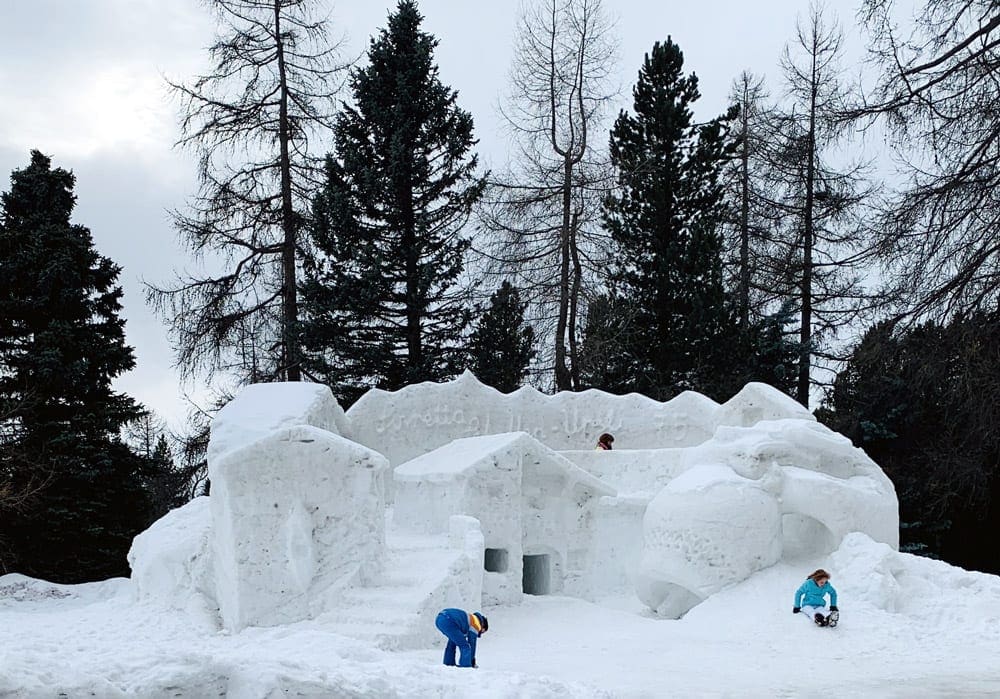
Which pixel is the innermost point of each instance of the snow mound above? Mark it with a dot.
(935, 593)
(18, 590)
(171, 562)
(751, 495)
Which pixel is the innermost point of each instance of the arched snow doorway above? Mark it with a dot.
(803, 536)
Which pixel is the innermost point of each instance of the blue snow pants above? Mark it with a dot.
(456, 639)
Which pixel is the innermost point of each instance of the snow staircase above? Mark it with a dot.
(422, 575)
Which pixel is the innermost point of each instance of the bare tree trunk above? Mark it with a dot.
(251, 121)
(574, 304)
(563, 382)
(289, 290)
(745, 213)
(548, 207)
(805, 331)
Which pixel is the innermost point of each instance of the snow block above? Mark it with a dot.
(261, 408)
(297, 515)
(708, 529)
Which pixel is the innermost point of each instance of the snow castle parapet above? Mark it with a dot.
(417, 419)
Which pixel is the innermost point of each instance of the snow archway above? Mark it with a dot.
(804, 536)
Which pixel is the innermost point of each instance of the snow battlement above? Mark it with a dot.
(419, 418)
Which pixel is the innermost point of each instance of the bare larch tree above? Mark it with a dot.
(251, 121)
(823, 238)
(542, 215)
(937, 95)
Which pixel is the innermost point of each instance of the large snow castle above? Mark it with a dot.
(455, 494)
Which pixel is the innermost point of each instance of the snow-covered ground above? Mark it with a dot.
(910, 627)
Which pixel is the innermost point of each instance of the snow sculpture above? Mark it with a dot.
(262, 408)
(534, 505)
(701, 496)
(750, 496)
(297, 513)
(417, 419)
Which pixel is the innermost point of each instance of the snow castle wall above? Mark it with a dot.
(418, 419)
(297, 511)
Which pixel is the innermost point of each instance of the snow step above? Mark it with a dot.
(391, 615)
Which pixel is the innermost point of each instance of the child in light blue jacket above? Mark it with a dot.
(810, 599)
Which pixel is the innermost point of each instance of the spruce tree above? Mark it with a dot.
(62, 342)
(604, 355)
(665, 218)
(921, 401)
(501, 346)
(381, 299)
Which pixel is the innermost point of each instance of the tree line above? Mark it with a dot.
(354, 240)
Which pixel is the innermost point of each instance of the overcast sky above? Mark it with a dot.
(82, 81)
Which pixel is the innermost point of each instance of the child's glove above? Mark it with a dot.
(796, 610)
(833, 608)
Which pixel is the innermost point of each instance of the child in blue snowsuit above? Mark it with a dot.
(810, 599)
(462, 630)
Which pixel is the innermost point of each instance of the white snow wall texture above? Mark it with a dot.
(297, 511)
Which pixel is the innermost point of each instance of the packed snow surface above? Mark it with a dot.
(910, 627)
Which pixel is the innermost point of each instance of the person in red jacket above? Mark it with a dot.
(462, 630)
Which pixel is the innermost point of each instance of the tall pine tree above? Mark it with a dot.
(501, 346)
(61, 344)
(383, 307)
(665, 218)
